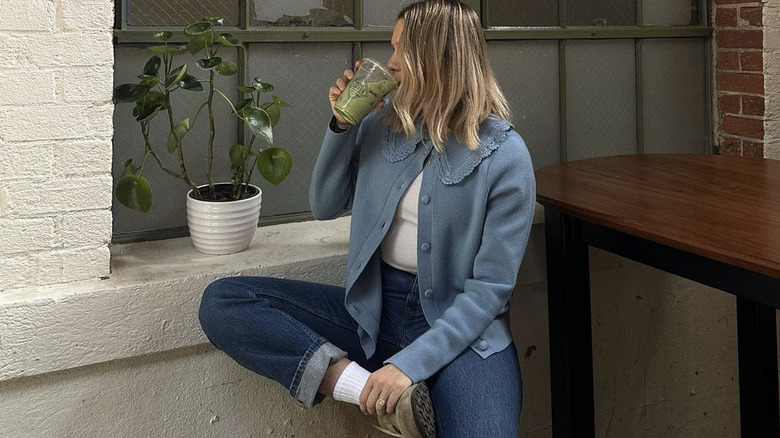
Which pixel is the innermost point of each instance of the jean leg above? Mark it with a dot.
(286, 330)
(478, 397)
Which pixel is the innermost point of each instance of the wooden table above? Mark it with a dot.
(711, 219)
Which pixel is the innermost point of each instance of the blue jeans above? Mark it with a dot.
(290, 331)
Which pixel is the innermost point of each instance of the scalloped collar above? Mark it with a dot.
(456, 161)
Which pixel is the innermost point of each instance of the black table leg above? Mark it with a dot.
(757, 345)
(571, 355)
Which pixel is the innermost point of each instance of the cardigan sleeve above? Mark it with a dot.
(486, 295)
(333, 181)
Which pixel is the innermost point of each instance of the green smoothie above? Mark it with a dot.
(359, 98)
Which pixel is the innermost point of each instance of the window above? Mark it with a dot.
(584, 78)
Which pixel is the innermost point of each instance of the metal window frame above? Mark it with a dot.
(358, 34)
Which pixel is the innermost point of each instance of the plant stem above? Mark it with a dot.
(211, 134)
(180, 152)
(227, 99)
(150, 151)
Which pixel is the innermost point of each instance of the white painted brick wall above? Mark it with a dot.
(56, 77)
(772, 78)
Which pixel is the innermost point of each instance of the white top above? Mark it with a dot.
(399, 247)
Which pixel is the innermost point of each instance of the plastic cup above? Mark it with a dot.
(372, 82)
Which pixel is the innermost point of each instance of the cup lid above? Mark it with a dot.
(378, 65)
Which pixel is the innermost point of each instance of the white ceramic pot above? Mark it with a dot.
(223, 227)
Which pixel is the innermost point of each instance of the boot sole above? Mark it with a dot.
(422, 410)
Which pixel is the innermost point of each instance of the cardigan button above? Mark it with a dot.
(482, 346)
(425, 199)
(425, 246)
(428, 293)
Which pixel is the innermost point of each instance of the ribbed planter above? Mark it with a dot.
(223, 227)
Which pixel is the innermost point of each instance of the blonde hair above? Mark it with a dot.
(448, 84)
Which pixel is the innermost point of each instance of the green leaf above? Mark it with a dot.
(200, 28)
(155, 98)
(176, 75)
(215, 20)
(163, 36)
(243, 104)
(228, 39)
(169, 50)
(208, 64)
(152, 67)
(260, 124)
(191, 83)
(135, 192)
(196, 44)
(227, 68)
(238, 155)
(149, 80)
(148, 113)
(127, 93)
(129, 168)
(263, 87)
(274, 112)
(182, 128)
(274, 165)
(278, 101)
(245, 89)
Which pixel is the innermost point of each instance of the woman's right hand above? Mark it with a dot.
(335, 92)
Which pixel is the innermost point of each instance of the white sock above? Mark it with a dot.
(351, 383)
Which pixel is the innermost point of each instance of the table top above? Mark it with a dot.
(721, 207)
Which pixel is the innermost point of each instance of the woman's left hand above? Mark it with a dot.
(383, 389)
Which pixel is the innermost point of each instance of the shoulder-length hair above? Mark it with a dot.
(448, 84)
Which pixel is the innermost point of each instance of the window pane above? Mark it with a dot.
(168, 194)
(601, 12)
(381, 13)
(673, 82)
(527, 72)
(600, 98)
(523, 12)
(379, 51)
(670, 12)
(304, 13)
(302, 74)
(180, 12)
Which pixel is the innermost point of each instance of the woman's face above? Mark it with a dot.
(394, 63)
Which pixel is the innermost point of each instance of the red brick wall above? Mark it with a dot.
(739, 77)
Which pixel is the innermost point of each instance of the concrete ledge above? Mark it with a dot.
(149, 304)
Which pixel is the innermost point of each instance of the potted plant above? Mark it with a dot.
(222, 216)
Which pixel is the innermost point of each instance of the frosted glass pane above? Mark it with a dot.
(379, 51)
(302, 75)
(600, 98)
(670, 12)
(527, 72)
(304, 13)
(674, 73)
(168, 194)
(601, 12)
(523, 12)
(381, 13)
(179, 12)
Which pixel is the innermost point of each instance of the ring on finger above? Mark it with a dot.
(381, 402)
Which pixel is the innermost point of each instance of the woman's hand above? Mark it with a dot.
(335, 92)
(383, 389)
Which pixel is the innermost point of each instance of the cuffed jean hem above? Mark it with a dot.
(311, 371)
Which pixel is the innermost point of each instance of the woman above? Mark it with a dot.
(441, 191)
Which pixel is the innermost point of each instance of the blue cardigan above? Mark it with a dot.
(475, 214)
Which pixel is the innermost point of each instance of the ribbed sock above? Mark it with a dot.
(351, 383)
